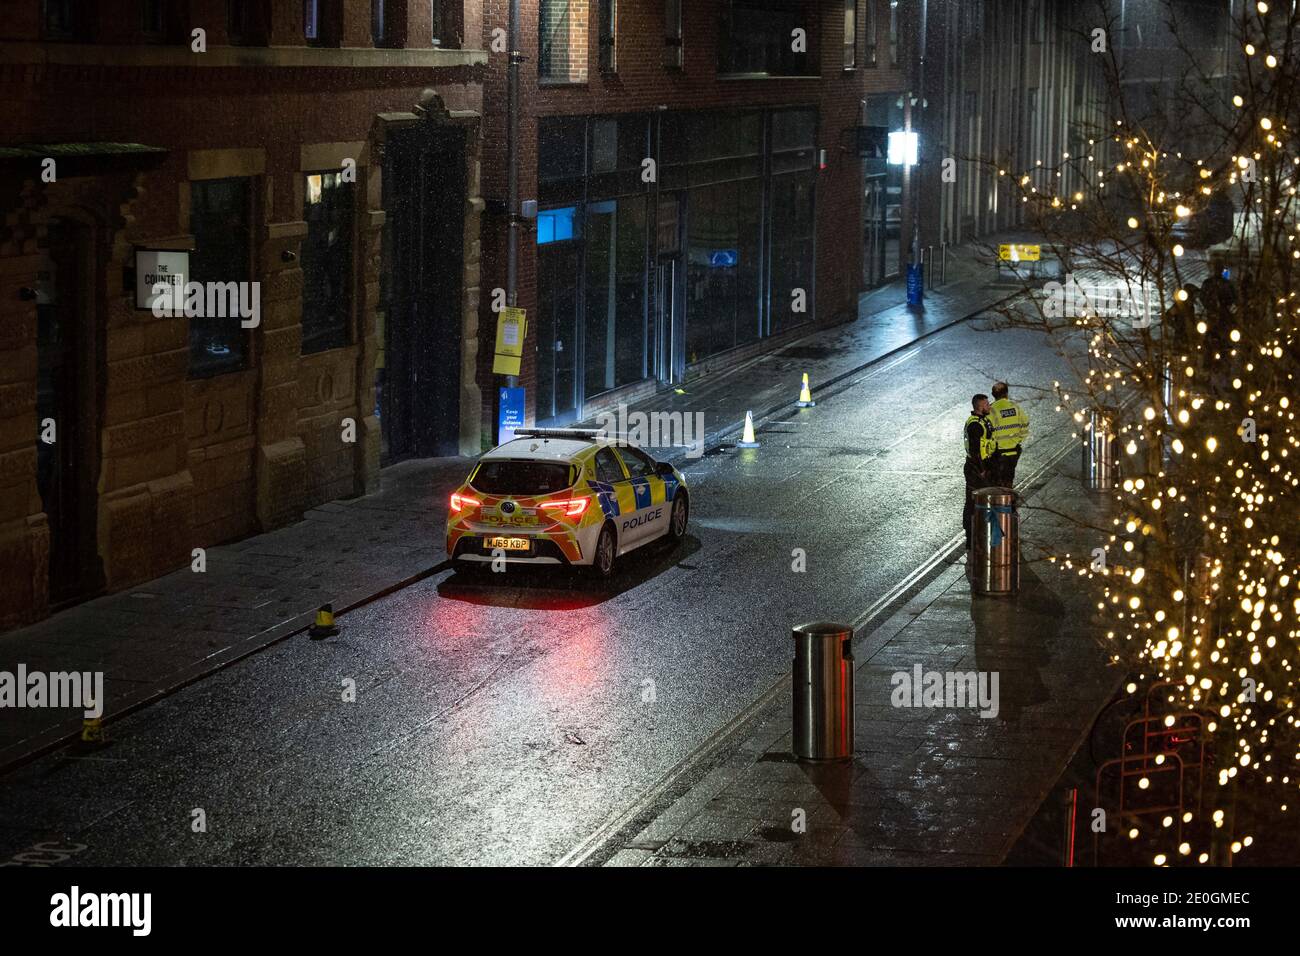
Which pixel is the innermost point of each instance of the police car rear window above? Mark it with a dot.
(522, 477)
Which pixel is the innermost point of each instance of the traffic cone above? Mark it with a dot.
(805, 394)
(324, 626)
(92, 730)
(747, 439)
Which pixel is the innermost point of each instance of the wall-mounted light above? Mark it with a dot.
(288, 255)
(904, 148)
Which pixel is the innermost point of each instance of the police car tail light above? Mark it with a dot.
(572, 507)
(461, 502)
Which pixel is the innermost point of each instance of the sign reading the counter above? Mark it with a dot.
(154, 267)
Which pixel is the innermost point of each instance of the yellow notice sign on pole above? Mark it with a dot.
(1019, 252)
(512, 326)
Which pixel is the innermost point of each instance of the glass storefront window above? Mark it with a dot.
(556, 225)
(615, 323)
(638, 279)
(792, 231)
(723, 243)
(561, 159)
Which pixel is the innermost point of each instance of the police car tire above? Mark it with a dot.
(684, 502)
(604, 573)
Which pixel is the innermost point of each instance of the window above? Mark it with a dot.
(608, 36)
(607, 466)
(614, 324)
(759, 36)
(850, 34)
(221, 223)
(163, 21)
(388, 23)
(66, 19)
(327, 261)
(893, 32)
(673, 34)
(790, 216)
(870, 52)
(722, 262)
(321, 22)
(562, 41)
(638, 463)
(151, 18)
(245, 24)
(523, 478)
(561, 159)
(311, 20)
(556, 225)
(437, 25)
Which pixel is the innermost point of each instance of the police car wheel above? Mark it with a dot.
(602, 562)
(679, 517)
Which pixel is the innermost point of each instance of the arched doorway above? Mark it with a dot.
(69, 365)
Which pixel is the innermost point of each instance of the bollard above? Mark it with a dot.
(996, 555)
(823, 691)
(1100, 466)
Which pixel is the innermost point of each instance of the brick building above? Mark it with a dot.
(698, 184)
(326, 151)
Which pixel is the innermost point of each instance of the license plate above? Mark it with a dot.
(508, 544)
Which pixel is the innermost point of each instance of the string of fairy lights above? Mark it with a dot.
(1203, 600)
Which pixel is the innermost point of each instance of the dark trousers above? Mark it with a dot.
(1002, 470)
(976, 478)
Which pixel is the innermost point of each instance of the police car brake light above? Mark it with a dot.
(573, 507)
(460, 502)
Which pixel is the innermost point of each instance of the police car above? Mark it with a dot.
(565, 497)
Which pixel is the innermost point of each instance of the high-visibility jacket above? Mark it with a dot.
(1010, 426)
(987, 445)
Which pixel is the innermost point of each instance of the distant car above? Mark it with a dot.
(564, 497)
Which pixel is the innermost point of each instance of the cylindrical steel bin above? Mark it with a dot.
(1100, 464)
(996, 555)
(823, 691)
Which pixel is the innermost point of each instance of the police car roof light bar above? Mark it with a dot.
(586, 434)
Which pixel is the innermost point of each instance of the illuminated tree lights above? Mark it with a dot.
(1199, 592)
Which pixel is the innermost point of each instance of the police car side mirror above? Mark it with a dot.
(663, 468)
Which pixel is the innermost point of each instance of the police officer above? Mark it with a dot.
(980, 449)
(1010, 429)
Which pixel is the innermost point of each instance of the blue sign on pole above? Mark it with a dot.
(915, 284)
(511, 414)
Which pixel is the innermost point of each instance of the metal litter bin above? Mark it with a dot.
(996, 556)
(1100, 464)
(823, 691)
